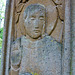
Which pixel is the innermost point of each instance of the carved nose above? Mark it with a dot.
(37, 24)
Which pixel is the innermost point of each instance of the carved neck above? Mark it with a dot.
(31, 39)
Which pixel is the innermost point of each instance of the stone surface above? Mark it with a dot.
(61, 11)
(42, 57)
(36, 52)
(43, 48)
(23, 0)
(17, 2)
(11, 26)
(58, 28)
(17, 17)
(73, 36)
(66, 61)
(19, 7)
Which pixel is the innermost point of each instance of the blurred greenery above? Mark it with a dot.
(1, 36)
(0, 61)
(1, 33)
(0, 43)
(2, 12)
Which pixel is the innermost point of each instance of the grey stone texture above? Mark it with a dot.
(38, 54)
(73, 36)
(42, 57)
(25, 74)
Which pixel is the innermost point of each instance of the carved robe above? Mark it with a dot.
(42, 57)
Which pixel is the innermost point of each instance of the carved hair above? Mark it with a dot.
(33, 7)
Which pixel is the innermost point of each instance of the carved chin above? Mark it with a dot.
(35, 36)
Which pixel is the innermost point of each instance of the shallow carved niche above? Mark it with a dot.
(39, 24)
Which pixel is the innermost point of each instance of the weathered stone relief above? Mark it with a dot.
(33, 44)
(54, 17)
(37, 52)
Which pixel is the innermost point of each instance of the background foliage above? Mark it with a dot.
(2, 12)
(1, 36)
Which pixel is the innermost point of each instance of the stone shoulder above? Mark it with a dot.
(49, 38)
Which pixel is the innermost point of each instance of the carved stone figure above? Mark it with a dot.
(36, 53)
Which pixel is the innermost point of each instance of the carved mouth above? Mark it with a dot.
(36, 31)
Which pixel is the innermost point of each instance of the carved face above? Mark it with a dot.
(34, 23)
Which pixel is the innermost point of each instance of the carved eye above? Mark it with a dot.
(41, 18)
(32, 18)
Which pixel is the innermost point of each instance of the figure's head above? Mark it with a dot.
(34, 19)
